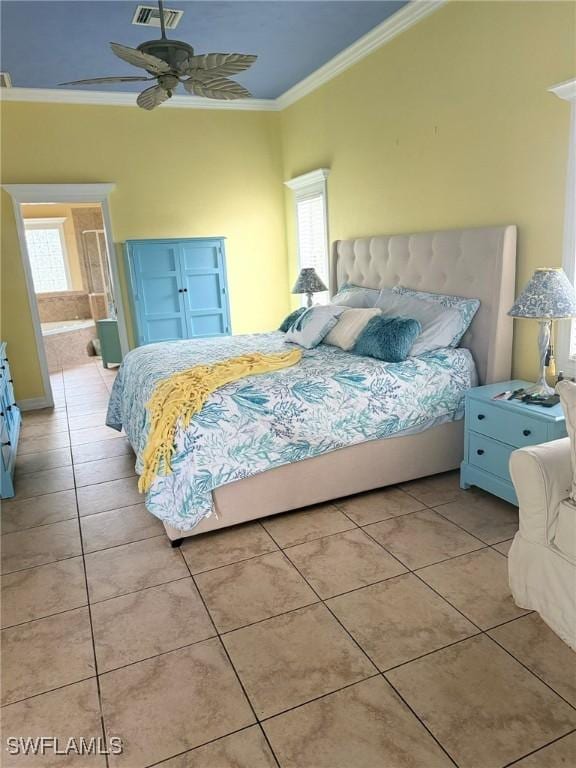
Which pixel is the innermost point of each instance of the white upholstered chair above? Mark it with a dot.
(542, 559)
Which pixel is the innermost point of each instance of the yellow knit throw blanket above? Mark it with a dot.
(183, 394)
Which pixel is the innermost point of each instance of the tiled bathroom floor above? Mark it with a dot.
(375, 632)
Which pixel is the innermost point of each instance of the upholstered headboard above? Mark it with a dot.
(476, 263)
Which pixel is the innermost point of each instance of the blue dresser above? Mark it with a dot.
(178, 288)
(495, 428)
(9, 426)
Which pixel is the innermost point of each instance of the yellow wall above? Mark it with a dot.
(61, 211)
(179, 173)
(449, 125)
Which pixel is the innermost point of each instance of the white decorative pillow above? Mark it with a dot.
(567, 392)
(350, 325)
(309, 328)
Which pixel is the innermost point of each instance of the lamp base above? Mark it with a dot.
(540, 388)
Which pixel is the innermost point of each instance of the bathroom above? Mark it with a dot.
(68, 259)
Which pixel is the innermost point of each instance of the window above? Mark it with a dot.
(47, 253)
(312, 226)
(566, 337)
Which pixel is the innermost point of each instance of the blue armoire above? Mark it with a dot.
(178, 288)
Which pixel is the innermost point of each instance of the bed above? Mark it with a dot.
(336, 424)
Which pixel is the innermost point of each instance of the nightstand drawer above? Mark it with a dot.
(515, 429)
(489, 455)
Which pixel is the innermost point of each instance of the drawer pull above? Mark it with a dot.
(481, 416)
(526, 432)
(480, 451)
(6, 443)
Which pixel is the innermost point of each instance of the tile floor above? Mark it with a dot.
(375, 632)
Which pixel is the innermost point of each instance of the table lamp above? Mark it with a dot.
(548, 296)
(308, 282)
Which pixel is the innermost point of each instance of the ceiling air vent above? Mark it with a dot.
(5, 80)
(148, 16)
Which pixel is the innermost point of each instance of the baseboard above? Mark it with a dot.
(34, 404)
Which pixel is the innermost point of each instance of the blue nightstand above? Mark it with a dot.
(495, 428)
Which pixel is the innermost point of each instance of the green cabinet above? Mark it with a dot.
(109, 341)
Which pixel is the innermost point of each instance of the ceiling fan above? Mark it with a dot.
(171, 62)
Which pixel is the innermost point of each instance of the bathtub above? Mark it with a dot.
(63, 326)
(68, 343)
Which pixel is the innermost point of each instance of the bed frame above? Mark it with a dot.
(476, 263)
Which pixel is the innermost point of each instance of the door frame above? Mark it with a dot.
(64, 193)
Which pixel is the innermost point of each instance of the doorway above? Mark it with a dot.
(72, 287)
(71, 275)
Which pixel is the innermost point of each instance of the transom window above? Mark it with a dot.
(47, 253)
(312, 225)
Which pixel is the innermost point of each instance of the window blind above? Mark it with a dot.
(312, 248)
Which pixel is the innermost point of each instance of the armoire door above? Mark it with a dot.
(179, 289)
(157, 293)
(204, 282)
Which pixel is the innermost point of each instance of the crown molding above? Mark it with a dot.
(390, 28)
(565, 90)
(307, 180)
(399, 22)
(111, 99)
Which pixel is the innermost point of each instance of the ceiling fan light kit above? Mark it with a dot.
(171, 62)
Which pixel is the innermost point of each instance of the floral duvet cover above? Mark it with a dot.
(330, 400)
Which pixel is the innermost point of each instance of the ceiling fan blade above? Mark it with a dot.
(220, 64)
(95, 80)
(217, 88)
(152, 97)
(138, 59)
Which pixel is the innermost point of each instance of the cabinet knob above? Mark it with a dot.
(480, 451)
(180, 290)
(6, 443)
(481, 416)
(526, 432)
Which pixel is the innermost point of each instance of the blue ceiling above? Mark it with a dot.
(45, 43)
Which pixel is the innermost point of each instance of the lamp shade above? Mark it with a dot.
(548, 295)
(308, 282)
